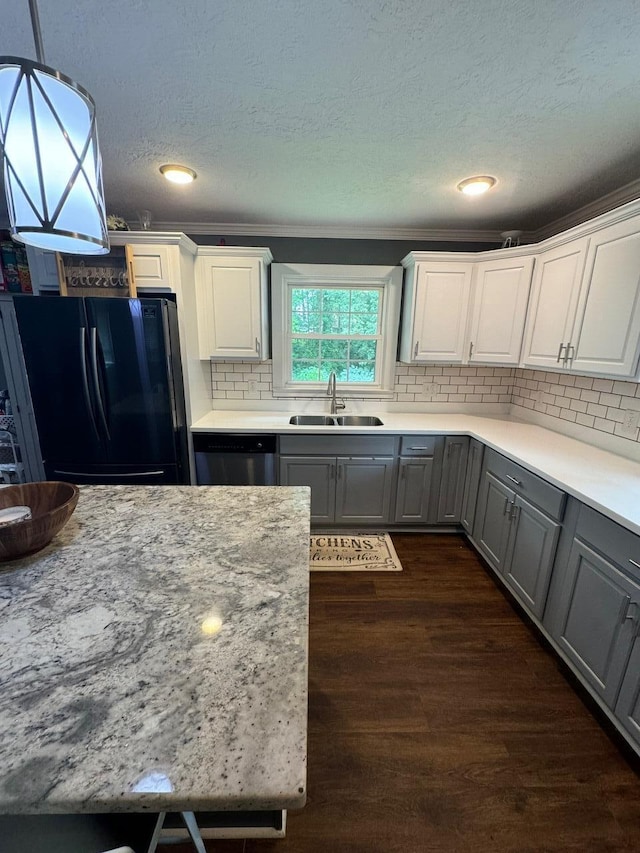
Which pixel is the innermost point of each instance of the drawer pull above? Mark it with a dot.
(428, 448)
(513, 480)
(633, 563)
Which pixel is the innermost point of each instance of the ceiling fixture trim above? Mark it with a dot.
(178, 174)
(50, 154)
(477, 185)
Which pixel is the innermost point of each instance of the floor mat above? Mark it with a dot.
(353, 552)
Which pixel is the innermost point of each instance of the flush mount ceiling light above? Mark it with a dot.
(51, 160)
(178, 174)
(477, 185)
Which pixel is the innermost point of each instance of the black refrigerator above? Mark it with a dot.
(107, 390)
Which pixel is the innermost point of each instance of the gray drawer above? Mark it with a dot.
(419, 445)
(613, 541)
(533, 488)
(338, 445)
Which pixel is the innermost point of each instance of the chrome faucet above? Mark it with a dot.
(331, 392)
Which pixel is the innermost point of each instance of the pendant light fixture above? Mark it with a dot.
(51, 160)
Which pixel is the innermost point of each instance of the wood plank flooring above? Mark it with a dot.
(439, 722)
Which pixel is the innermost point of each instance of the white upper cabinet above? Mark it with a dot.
(436, 308)
(500, 296)
(232, 297)
(606, 334)
(552, 308)
(152, 267)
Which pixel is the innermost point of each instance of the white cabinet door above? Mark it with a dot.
(607, 330)
(441, 308)
(232, 306)
(152, 267)
(552, 307)
(500, 300)
(43, 269)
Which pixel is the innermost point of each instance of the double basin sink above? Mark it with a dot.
(341, 420)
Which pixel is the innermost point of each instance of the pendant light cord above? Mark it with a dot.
(37, 35)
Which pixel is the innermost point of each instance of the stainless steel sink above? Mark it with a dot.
(311, 420)
(359, 420)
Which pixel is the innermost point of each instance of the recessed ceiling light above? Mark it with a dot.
(477, 185)
(178, 174)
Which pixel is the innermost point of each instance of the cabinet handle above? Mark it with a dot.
(569, 354)
(513, 515)
(428, 449)
(506, 504)
(470, 349)
(631, 605)
(562, 346)
(633, 563)
(513, 479)
(258, 346)
(415, 349)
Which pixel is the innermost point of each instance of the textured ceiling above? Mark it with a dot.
(352, 113)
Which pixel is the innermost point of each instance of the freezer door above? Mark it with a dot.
(129, 364)
(54, 338)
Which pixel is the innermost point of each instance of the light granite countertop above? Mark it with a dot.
(154, 655)
(605, 481)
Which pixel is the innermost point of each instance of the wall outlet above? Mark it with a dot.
(631, 419)
(430, 388)
(252, 386)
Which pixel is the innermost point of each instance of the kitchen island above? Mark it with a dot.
(154, 655)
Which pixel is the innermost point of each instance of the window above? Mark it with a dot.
(340, 319)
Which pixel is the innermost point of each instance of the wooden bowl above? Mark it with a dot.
(52, 505)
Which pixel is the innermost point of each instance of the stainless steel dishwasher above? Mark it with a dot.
(232, 459)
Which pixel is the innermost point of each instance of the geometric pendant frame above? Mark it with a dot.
(51, 159)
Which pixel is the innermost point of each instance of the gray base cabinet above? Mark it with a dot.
(517, 537)
(454, 470)
(628, 705)
(594, 608)
(413, 499)
(471, 485)
(363, 491)
(351, 477)
(419, 469)
(318, 472)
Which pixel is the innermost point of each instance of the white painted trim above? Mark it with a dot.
(338, 232)
(260, 252)
(165, 238)
(387, 278)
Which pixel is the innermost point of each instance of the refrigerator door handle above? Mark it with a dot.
(96, 380)
(85, 380)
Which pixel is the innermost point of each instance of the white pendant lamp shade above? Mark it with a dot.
(52, 165)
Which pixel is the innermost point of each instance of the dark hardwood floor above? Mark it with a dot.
(439, 722)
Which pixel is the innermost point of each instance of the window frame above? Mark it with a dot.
(286, 277)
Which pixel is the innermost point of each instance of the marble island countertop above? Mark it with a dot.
(605, 481)
(154, 656)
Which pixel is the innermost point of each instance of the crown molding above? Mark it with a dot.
(141, 238)
(604, 204)
(332, 232)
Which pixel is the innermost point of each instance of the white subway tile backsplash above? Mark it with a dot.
(597, 404)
